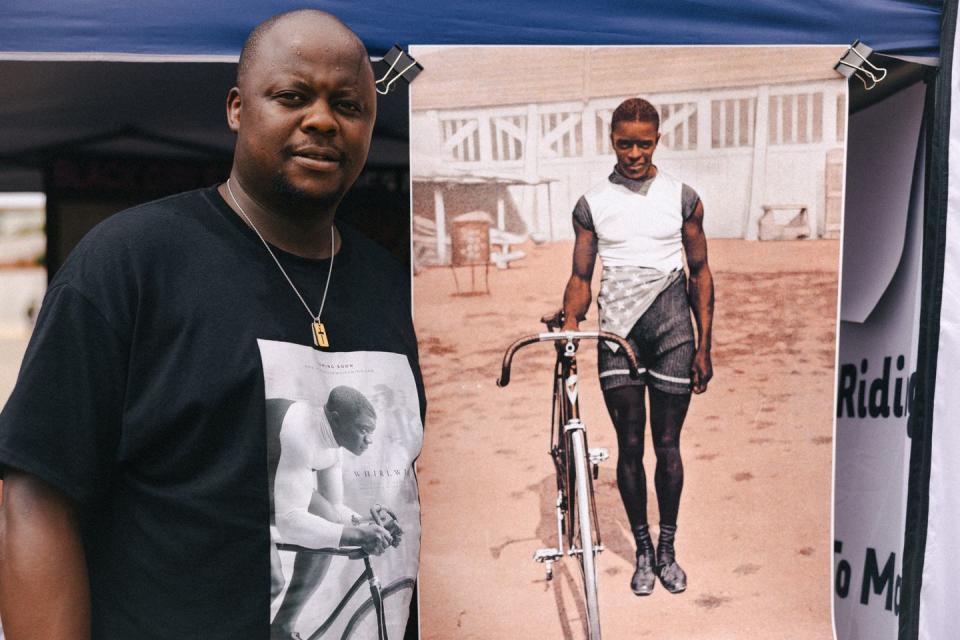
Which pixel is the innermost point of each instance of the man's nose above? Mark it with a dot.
(320, 117)
(367, 438)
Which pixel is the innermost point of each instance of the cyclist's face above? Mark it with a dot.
(357, 434)
(634, 144)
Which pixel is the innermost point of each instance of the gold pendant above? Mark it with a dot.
(320, 335)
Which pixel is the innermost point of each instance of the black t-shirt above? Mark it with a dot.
(142, 396)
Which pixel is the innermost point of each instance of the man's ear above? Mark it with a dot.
(233, 109)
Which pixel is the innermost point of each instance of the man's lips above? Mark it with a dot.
(318, 158)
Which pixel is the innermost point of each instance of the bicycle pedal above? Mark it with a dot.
(599, 454)
(547, 555)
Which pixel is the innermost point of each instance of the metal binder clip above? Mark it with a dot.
(401, 66)
(854, 60)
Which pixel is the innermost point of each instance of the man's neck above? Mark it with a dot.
(304, 233)
(325, 433)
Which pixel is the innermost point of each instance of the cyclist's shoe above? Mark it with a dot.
(672, 577)
(644, 577)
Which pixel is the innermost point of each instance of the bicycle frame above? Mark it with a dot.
(368, 575)
(568, 442)
(575, 507)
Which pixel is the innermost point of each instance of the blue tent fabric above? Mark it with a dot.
(215, 29)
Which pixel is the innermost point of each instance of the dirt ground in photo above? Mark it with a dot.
(754, 525)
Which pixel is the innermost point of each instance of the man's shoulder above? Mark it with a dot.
(301, 414)
(598, 188)
(667, 180)
(157, 217)
(137, 234)
(296, 423)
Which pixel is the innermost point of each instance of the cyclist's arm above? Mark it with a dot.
(700, 293)
(294, 492)
(577, 295)
(44, 591)
(329, 496)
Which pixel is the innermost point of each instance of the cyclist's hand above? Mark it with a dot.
(372, 538)
(388, 520)
(700, 372)
(553, 320)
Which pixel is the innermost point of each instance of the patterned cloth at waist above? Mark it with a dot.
(626, 292)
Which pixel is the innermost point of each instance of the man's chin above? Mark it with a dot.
(308, 193)
(636, 174)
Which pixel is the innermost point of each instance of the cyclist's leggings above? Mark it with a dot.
(667, 412)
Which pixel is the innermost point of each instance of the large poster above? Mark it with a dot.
(514, 137)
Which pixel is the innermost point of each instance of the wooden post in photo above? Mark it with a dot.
(440, 217)
(758, 174)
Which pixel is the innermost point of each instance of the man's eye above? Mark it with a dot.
(350, 107)
(289, 96)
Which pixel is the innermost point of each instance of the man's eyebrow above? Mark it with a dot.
(288, 79)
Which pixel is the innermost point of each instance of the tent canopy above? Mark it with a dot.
(79, 71)
(212, 29)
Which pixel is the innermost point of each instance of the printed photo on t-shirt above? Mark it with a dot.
(343, 430)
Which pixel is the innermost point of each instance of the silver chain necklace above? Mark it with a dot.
(319, 332)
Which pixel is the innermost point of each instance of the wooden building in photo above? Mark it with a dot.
(752, 129)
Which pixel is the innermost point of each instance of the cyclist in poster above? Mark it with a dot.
(646, 226)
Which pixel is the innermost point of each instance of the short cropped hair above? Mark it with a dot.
(635, 110)
(349, 403)
(252, 43)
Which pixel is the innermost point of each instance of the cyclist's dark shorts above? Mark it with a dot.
(663, 341)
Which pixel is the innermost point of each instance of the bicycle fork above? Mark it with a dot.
(548, 556)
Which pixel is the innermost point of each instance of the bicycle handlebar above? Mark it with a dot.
(353, 553)
(556, 336)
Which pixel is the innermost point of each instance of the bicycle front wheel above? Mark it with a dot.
(584, 534)
(363, 624)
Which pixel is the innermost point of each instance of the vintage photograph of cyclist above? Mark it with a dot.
(339, 457)
(596, 189)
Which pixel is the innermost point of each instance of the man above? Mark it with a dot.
(637, 221)
(307, 494)
(134, 446)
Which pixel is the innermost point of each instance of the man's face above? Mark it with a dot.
(304, 113)
(354, 434)
(634, 143)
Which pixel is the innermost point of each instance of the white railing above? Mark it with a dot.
(704, 121)
(737, 146)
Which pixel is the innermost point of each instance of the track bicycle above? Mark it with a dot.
(370, 618)
(575, 463)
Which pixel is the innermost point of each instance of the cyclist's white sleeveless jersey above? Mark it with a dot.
(635, 229)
